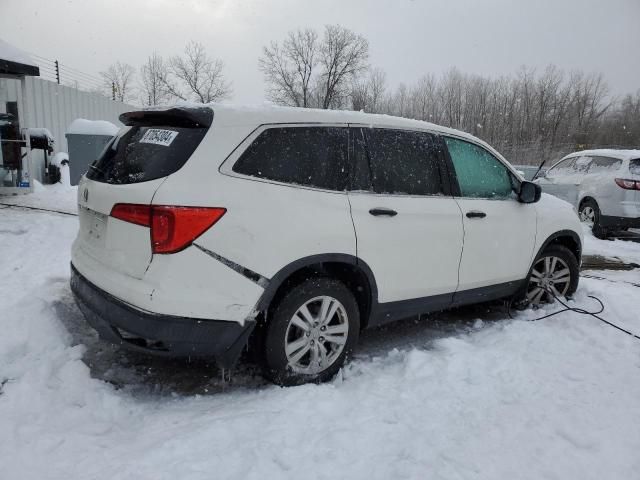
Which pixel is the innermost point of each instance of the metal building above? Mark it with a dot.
(29, 102)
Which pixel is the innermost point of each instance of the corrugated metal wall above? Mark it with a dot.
(54, 107)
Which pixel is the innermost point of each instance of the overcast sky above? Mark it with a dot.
(408, 38)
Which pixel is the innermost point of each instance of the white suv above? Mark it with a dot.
(198, 224)
(604, 185)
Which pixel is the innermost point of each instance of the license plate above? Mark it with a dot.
(158, 136)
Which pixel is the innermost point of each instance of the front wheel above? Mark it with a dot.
(311, 332)
(554, 273)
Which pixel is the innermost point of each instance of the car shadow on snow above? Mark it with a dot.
(146, 374)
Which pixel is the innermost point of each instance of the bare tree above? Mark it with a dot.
(196, 76)
(306, 72)
(154, 79)
(289, 69)
(118, 78)
(343, 55)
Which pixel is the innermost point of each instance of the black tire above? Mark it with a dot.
(598, 230)
(275, 362)
(558, 251)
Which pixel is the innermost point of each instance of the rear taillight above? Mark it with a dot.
(173, 228)
(628, 184)
(132, 213)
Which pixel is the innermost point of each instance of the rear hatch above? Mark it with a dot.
(152, 145)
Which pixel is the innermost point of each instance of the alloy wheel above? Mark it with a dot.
(549, 274)
(588, 214)
(316, 335)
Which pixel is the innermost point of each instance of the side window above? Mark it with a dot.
(479, 173)
(582, 164)
(563, 168)
(634, 166)
(604, 164)
(310, 156)
(403, 162)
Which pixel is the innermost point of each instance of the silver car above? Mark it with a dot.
(603, 185)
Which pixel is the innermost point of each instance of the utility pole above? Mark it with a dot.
(57, 72)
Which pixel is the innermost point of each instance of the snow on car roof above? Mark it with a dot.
(241, 115)
(608, 152)
(266, 113)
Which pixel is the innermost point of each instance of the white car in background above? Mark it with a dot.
(199, 224)
(603, 185)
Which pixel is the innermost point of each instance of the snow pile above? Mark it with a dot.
(626, 251)
(491, 399)
(60, 196)
(41, 132)
(81, 126)
(59, 158)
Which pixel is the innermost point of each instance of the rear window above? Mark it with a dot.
(634, 166)
(142, 153)
(309, 156)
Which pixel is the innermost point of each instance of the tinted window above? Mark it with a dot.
(479, 173)
(634, 166)
(142, 153)
(604, 164)
(403, 162)
(359, 161)
(312, 156)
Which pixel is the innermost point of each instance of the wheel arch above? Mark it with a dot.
(566, 238)
(584, 199)
(352, 271)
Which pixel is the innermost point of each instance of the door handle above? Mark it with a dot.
(376, 212)
(476, 214)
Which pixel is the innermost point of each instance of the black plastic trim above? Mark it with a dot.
(244, 271)
(281, 276)
(391, 311)
(163, 335)
(609, 221)
(382, 313)
(556, 235)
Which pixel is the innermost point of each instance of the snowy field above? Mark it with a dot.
(469, 394)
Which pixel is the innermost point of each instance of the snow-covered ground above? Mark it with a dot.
(471, 394)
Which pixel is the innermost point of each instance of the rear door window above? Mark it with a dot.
(634, 166)
(479, 173)
(143, 153)
(604, 164)
(307, 156)
(404, 162)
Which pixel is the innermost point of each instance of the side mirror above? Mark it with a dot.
(529, 192)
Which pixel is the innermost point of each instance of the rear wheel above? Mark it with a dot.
(311, 332)
(554, 274)
(589, 213)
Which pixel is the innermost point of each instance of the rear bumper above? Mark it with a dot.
(140, 330)
(609, 221)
